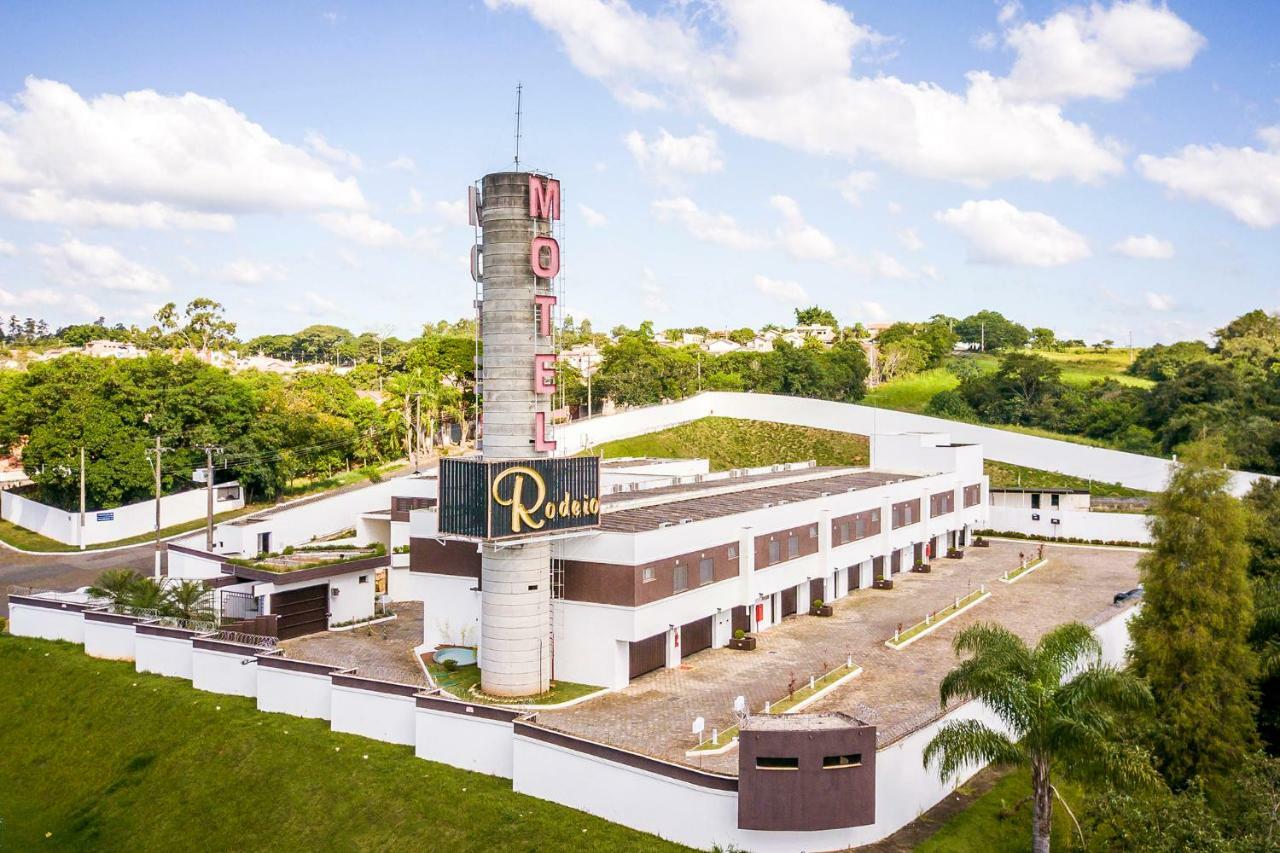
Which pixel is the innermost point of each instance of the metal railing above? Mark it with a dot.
(261, 641)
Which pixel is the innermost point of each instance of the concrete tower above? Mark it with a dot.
(515, 598)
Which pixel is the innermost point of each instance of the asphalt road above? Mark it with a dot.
(67, 571)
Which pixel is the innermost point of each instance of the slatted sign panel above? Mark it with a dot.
(516, 498)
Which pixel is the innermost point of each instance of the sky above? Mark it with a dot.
(1111, 170)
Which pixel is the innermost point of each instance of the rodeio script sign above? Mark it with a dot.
(517, 498)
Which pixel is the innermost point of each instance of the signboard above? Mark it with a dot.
(517, 498)
(105, 516)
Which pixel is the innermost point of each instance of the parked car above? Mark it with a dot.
(1122, 597)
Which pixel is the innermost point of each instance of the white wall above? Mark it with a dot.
(1100, 526)
(163, 655)
(222, 672)
(451, 609)
(287, 691)
(112, 640)
(125, 521)
(46, 623)
(1108, 466)
(1114, 636)
(191, 566)
(381, 716)
(463, 740)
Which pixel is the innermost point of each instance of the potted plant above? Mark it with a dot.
(883, 583)
(742, 641)
(955, 554)
(979, 542)
(820, 609)
(921, 568)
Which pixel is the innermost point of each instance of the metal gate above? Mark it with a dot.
(648, 654)
(301, 611)
(695, 636)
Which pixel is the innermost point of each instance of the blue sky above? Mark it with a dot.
(1107, 170)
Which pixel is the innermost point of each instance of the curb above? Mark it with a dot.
(936, 625)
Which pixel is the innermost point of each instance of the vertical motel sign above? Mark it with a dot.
(544, 260)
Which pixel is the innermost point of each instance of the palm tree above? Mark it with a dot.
(148, 594)
(116, 585)
(188, 599)
(1057, 703)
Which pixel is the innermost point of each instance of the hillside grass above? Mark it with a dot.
(999, 821)
(100, 757)
(733, 443)
(1005, 475)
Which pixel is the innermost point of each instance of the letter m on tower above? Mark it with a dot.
(544, 199)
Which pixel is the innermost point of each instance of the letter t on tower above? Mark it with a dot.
(544, 259)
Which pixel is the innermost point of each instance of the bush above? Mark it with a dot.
(371, 474)
(950, 405)
(287, 551)
(449, 664)
(4, 625)
(739, 634)
(817, 604)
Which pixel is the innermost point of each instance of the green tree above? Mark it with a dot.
(117, 585)
(951, 405)
(1190, 640)
(993, 329)
(207, 326)
(1043, 338)
(1058, 705)
(816, 316)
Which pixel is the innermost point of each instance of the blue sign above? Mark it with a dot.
(105, 516)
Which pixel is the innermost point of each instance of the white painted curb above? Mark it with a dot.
(936, 625)
(1039, 564)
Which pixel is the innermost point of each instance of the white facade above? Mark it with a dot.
(1066, 524)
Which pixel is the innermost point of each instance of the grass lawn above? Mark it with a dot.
(990, 826)
(1005, 475)
(734, 443)
(97, 756)
(461, 680)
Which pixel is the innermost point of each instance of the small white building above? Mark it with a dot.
(826, 334)
(585, 358)
(720, 346)
(1071, 500)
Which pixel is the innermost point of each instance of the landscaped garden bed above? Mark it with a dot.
(463, 683)
(1027, 567)
(310, 557)
(903, 638)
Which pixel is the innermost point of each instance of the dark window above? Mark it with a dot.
(793, 547)
(830, 762)
(1035, 501)
(681, 579)
(775, 551)
(706, 571)
(767, 762)
(1053, 500)
(364, 579)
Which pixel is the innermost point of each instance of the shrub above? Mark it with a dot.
(371, 474)
(817, 604)
(449, 664)
(739, 634)
(4, 625)
(288, 550)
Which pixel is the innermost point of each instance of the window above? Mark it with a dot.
(706, 571)
(775, 551)
(1053, 500)
(733, 552)
(364, 579)
(859, 527)
(681, 579)
(844, 531)
(647, 574)
(1035, 501)
(832, 762)
(875, 516)
(813, 531)
(793, 547)
(768, 762)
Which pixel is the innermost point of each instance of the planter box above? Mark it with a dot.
(921, 568)
(882, 584)
(981, 543)
(746, 644)
(955, 554)
(824, 610)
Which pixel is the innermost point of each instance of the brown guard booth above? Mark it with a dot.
(806, 772)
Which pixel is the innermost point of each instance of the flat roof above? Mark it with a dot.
(824, 720)
(1047, 490)
(685, 503)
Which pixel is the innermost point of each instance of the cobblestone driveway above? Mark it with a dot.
(654, 714)
(381, 651)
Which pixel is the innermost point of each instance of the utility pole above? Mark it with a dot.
(982, 324)
(589, 394)
(417, 432)
(156, 466)
(208, 485)
(81, 537)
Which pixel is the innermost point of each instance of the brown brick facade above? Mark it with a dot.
(806, 536)
(612, 583)
(851, 528)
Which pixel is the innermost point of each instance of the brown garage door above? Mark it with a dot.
(789, 602)
(815, 592)
(695, 636)
(302, 611)
(741, 618)
(648, 654)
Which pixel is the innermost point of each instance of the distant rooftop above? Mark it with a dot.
(800, 722)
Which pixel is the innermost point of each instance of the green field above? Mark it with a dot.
(1005, 475)
(999, 821)
(732, 443)
(96, 756)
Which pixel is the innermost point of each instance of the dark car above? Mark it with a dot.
(1122, 597)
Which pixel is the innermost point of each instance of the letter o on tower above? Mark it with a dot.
(552, 267)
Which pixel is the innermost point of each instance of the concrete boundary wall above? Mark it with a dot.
(1072, 524)
(472, 737)
(294, 687)
(219, 667)
(109, 635)
(163, 651)
(1109, 466)
(30, 616)
(374, 709)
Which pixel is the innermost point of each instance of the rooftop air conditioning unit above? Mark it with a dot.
(664, 524)
(767, 505)
(685, 520)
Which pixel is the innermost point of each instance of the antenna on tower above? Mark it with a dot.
(519, 91)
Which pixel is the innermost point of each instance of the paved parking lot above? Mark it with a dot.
(384, 650)
(654, 714)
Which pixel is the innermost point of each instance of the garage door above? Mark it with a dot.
(742, 619)
(695, 636)
(816, 587)
(789, 602)
(649, 654)
(302, 611)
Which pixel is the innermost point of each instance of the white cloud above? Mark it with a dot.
(414, 204)
(33, 298)
(910, 239)
(887, 266)
(719, 228)
(789, 292)
(338, 156)
(7, 249)
(1145, 247)
(653, 296)
(403, 164)
(1159, 301)
(801, 240)
(319, 303)
(367, 231)
(985, 41)
(999, 233)
(894, 208)
(931, 272)
(74, 263)
(874, 312)
(1097, 52)
(853, 187)
(696, 154)
(146, 160)
(593, 217)
(782, 72)
(252, 272)
(454, 212)
(1243, 181)
(1008, 11)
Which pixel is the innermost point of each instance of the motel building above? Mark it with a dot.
(683, 558)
